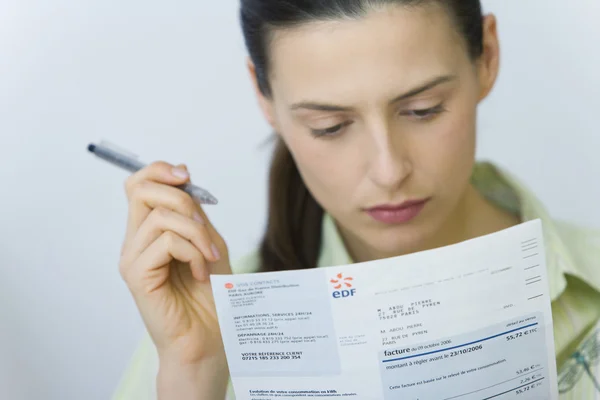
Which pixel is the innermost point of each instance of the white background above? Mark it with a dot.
(168, 81)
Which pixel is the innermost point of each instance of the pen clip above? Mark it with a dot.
(113, 147)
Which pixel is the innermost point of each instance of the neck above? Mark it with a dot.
(474, 217)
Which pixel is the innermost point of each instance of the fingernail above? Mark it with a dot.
(198, 218)
(215, 252)
(180, 173)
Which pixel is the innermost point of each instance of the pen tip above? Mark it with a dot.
(91, 148)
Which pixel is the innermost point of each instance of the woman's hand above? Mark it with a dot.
(169, 251)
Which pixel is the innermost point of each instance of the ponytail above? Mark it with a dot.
(292, 239)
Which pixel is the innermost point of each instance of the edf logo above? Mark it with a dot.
(341, 282)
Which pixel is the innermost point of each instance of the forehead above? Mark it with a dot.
(385, 51)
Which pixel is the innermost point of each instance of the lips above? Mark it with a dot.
(397, 214)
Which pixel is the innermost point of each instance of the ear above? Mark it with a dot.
(489, 63)
(265, 104)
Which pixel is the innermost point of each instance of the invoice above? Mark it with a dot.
(468, 321)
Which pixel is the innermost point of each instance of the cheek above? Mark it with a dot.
(457, 138)
(447, 153)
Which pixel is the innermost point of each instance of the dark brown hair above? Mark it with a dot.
(293, 234)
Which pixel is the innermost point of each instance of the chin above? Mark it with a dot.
(414, 236)
(396, 241)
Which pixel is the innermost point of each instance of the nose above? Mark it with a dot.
(391, 163)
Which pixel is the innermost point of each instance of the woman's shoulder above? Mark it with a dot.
(577, 229)
(581, 246)
(582, 241)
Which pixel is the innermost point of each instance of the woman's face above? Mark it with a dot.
(379, 114)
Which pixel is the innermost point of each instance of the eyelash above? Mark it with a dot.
(425, 114)
(421, 115)
(329, 132)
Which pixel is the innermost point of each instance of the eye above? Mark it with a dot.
(332, 131)
(424, 114)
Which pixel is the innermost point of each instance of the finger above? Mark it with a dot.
(221, 265)
(148, 195)
(161, 220)
(219, 262)
(160, 172)
(214, 234)
(151, 269)
(220, 247)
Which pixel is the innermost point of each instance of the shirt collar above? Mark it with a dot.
(333, 250)
(506, 191)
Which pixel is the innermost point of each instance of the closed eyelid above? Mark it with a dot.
(431, 98)
(315, 115)
(419, 106)
(321, 120)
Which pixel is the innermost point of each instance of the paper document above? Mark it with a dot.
(468, 321)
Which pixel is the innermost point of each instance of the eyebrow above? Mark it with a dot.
(411, 93)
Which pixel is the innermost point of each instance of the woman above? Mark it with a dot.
(374, 104)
